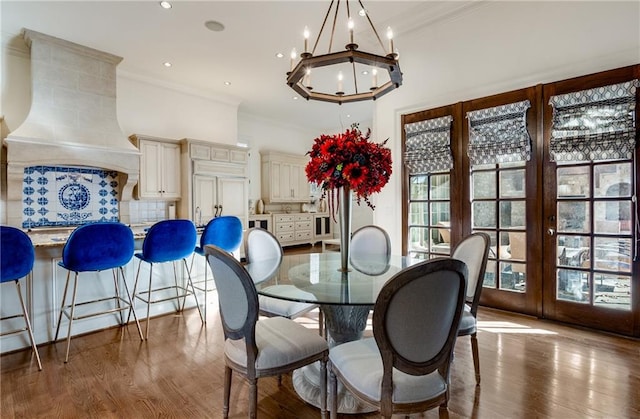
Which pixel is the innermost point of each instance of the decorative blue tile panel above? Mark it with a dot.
(68, 196)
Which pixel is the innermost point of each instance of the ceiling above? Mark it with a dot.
(243, 54)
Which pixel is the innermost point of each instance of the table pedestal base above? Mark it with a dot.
(344, 324)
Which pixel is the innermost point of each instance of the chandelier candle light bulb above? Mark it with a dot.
(390, 38)
(350, 24)
(306, 39)
(340, 85)
(374, 78)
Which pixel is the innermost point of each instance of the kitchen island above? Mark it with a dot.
(44, 287)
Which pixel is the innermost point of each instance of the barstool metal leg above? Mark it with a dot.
(146, 333)
(72, 314)
(28, 322)
(64, 299)
(116, 276)
(135, 317)
(193, 290)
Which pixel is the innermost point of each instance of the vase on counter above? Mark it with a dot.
(260, 207)
(344, 216)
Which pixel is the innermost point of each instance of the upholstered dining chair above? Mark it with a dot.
(370, 250)
(256, 349)
(474, 251)
(167, 241)
(17, 255)
(96, 247)
(404, 368)
(261, 245)
(226, 233)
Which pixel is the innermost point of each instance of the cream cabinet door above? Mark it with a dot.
(159, 170)
(299, 184)
(205, 199)
(233, 197)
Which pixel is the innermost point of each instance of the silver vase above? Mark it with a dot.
(344, 208)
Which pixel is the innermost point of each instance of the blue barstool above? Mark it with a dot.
(92, 248)
(167, 241)
(224, 232)
(17, 254)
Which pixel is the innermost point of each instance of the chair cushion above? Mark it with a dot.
(276, 307)
(467, 323)
(360, 363)
(280, 342)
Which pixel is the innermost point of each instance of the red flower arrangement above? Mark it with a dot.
(349, 160)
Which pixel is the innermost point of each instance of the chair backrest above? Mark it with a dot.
(474, 251)
(224, 231)
(98, 246)
(237, 296)
(416, 317)
(260, 244)
(16, 252)
(370, 241)
(169, 240)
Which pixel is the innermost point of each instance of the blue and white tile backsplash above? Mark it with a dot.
(68, 196)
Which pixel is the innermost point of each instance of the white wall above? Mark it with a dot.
(494, 48)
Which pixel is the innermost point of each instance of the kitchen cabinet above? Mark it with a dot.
(322, 227)
(219, 195)
(262, 221)
(284, 178)
(292, 229)
(216, 180)
(159, 168)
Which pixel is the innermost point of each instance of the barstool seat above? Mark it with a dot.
(167, 241)
(17, 254)
(224, 232)
(92, 248)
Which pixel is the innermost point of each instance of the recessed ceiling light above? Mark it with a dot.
(295, 98)
(166, 64)
(348, 115)
(214, 26)
(362, 12)
(227, 83)
(365, 72)
(165, 5)
(279, 55)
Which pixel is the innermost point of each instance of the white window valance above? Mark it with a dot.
(594, 124)
(428, 146)
(499, 134)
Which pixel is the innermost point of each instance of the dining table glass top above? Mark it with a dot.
(316, 277)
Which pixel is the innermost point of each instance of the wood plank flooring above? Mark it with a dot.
(530, 369)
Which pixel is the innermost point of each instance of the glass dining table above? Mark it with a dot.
(345, 299)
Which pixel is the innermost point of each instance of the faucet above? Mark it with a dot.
(199, 216)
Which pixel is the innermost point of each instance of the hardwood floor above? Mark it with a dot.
(530, 369)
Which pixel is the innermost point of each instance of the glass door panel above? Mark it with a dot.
(429, 230)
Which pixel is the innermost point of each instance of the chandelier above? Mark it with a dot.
(343, 72)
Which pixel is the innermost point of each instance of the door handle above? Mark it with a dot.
(551, 231)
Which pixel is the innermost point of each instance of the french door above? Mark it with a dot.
(591, 273)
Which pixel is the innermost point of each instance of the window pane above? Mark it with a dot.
(419, 239)
(512, 214)
(512, 184)
(484, 185)
(419, 213)
(613, 180)
(512, 276)
(573, 285)
(419, 187)
(440, 213)
(573, 181)
(573, 251)
(612, 291)
(440, 186)
(573, 217)
(612, 217)
(612, 254)
(484, 214)
(490, 274)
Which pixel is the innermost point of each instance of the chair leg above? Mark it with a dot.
(146, 331)
(227, 391)
(193, 290)
(133, 295)
(333, 394)
(476, 357)
(28, 323)
(323, 388)
(321, 325)
(71, 315)
(135, 317)
(64, 299)
(116, 276)
(253, 398)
